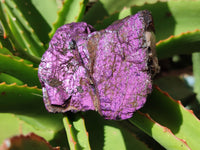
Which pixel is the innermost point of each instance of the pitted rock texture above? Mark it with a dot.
(109, 71)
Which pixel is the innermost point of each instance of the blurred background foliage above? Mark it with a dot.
(26, 28)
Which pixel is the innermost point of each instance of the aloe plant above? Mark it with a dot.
(169, 119)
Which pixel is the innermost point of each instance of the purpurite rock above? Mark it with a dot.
(109, 71)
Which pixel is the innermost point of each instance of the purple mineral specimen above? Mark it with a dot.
(109, 71)
(62, 72)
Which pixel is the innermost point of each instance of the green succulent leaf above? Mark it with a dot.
(175, 86)
(72, 11)
(26, 105)
(25, 30)
(170, 18)
(47, 9)
(21, 30)
(33, 17)
(76, 132)
(196, 71)
(28, 98)
(19, 69)
(8, 79)
(104, 8)
(16, 45)
(70, 133)
(11, 125)
(173, 118)
(160, 133)
(185, 43)
(5, 51)
(30, 141)
(111, 134)
(5, 45)
(121, 139)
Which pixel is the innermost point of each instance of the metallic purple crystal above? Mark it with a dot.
(109, 70)
(62, 70)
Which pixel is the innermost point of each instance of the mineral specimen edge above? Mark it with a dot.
(109, 71)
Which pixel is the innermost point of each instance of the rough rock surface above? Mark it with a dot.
(109, 71)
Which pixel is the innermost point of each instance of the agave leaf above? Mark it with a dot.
(76, 132)
(34, 17)
(5, 44)
(72, 11)
(45, 124)
(185, 13)
(106, 134)
(11, 125)
(185, 43)
(47, 9)
(5, 51)
(170, 18)
(19, 69)
(21, 52)
(30, 141)
(21, 29)
(114, 135)
(175, 86)
(27, 106)
(82, 135)
(9, 79)
(70, 134)
(28, 98)
(103, 8)
(160, 133)
(196, 71)
(171, 115)
(121, 139)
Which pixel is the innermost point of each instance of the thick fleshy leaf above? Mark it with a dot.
(12, 124)
(196, 70)
(168, 122)
(71, 11)
(170, 18)
(36, 16)
(21, 30)
(76, 133)
(185, 43)
(5, 44)
(47, 9)
(18, 48)
(103, 8)
(160, 133)
(171, 115)
(8, 79)
(27, 105)
(5, 51)
(175, 86)
(30, 141)
(118, 136)
(19, 69)
(106, 134)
